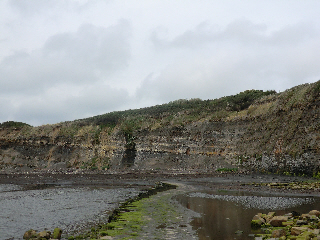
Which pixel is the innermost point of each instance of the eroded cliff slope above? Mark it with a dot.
(263, 131)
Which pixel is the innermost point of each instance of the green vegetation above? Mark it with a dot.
(316, 175)
(127, 221)
(179, 113)
(193, 109)
(13, 124)
(96, 163)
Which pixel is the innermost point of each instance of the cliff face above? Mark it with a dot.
(278, 133)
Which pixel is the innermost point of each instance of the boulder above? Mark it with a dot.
(44, 234)
(30, 234)
(301, 222)
(306, 236)
(278, 233)
(289, 223)
(314, 212)
(277, 221)
(305, 216)
(316, 231)
(255, 224)
(257, 217)
(269, 216)
(298, 230)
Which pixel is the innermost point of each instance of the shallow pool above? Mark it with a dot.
(225, 212)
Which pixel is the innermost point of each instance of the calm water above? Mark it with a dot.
(223, 213)
(71, 209)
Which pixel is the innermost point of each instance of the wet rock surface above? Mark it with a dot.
(288, 226)
(262, 202)
(151, 215)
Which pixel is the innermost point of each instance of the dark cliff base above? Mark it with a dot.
(252, 182)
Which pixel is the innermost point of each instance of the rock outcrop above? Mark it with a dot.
(276, 132)
(289, 226)
(34, 235)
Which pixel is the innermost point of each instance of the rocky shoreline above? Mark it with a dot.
(187, 181)
(292, 225)
(152, 214)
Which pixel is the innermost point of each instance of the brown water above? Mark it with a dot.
(224, 213)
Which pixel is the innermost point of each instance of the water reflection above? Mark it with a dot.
(222, 214)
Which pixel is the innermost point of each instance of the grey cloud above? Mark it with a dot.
(241, 31)
(88, 55)
(205, 34)
(93, 47)
(294, 34)
(61, 106)
(32, 8)
(205, 78)
(241, 55)
(66, 78)
(63, 68)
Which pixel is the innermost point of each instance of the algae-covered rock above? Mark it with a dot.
(297, 227)
(44, 234)
(257, 217)
(278, 233)
(269, 216)
(306, 236)
(298, 230)
(289, 223)
(57, 233)
(30, 234)
(301, 222)
(305, 216)
(277, 221)
(255, 224)
(257, 221)
(314, 212)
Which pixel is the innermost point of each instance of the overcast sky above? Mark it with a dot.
(66, 59)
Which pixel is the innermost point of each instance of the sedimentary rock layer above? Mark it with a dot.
(278, 133)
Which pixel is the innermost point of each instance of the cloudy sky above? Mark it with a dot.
(69, 59)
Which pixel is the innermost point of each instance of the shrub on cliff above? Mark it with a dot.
(242, 100)
(13, 124)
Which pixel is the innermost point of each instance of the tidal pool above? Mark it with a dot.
(225, 212)
(72, 209)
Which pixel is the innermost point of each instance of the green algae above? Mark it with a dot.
(127, 223)
(128, 220)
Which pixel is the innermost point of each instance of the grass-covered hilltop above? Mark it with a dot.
(253, 130)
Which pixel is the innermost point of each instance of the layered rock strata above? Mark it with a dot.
(277, 133)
